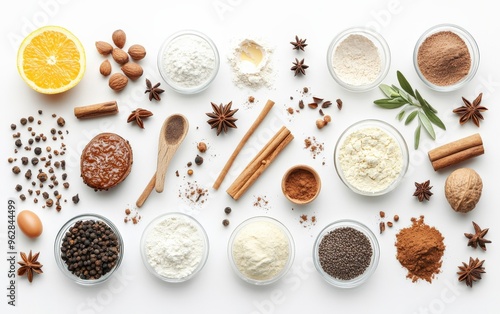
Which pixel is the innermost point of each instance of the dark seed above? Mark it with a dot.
(225, 222)
(198, 160)
(227, 210)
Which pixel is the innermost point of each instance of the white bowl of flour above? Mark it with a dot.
(371, 157)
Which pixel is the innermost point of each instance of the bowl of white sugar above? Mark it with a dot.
(358, 59)
(371, 157)
(261, 250)
(174, 247)
(188, 61)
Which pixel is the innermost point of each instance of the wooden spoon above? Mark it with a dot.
(172, 133)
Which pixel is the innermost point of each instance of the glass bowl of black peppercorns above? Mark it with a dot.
(88, 249)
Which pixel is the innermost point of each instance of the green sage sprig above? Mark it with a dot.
(412, 103)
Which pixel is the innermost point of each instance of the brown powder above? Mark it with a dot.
(443, 58)
(301, 185)
(420, 249)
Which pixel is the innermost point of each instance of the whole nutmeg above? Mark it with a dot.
(103, 47)
(117, 82)
(137, 52)
(463, 189)
(105, 68)
(119, 38)
(132, 70)
(120, 56)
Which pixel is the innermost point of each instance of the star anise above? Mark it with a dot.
(29, 265)
(222, 117)
(477, 239)
(471, 272)
(138, 115)
(299, 67)
(154, 91)
(471, 111)
(423, 191)
(299, 43)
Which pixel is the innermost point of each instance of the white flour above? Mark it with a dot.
(261, 250)
(189, 61)
(174, 247)
(356, 60)
(247, 75)
(370, 159)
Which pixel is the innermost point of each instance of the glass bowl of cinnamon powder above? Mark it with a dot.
(301, 184)
(446, 57)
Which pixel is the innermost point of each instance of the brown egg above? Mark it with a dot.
(29, 223)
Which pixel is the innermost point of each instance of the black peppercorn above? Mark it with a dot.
(227, 210)
(38, 150)
(225, 222)
(13, 126)
(198, 160)
(18, 143)
(16, 169)
(19, 187)
(23, 121)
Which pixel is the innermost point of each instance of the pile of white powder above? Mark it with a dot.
(370, 159)
(261, 250)
(356, 60)
(174, 247)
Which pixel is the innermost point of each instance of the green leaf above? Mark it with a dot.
(401, 115)
(411, 116)
(417, 137)
(427, 124)
(389, 103)
(388, 91)
(430, 107)
(404, 84)
(434, 118)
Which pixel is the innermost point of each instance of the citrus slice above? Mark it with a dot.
(51, 60)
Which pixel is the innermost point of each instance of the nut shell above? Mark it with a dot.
(119, 38)
(118, 82)
(463, 189)
(120, 56)
(105, 68)
(137, 52)
(103, 47)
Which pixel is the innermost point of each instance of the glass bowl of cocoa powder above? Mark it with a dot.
(301, 184)
(446, 57)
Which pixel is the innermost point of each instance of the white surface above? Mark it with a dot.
(217, 289)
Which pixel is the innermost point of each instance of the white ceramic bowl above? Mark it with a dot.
(354, 282)
(349, 181)
(471, 45)
(383, 51)
(188, 67)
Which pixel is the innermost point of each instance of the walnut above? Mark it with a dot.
(463, 189)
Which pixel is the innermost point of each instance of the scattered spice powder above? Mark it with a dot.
(132, 216)
(420, 249)
(261, 201)
(193, 193)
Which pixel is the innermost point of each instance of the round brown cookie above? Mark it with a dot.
(106, 161)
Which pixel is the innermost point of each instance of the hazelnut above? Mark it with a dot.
(320, 123)
(327, 119)
(463, 189)
(202, 147)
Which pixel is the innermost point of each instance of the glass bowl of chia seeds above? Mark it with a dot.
(346, 253)
(188, 61)
(358, 59)
(88, 249)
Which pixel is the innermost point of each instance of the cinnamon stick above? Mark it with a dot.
(242, 142)
(96, 110)
(456, 152)
(260, 162)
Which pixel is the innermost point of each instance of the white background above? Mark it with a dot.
(217, 289)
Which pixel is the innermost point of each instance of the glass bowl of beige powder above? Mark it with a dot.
(358, 59)
(261, 250)
(446, 57)
(371, 157)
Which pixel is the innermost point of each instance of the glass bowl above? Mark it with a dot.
(183, 226)
(259, 234)
(374, 175)
(58, 243)
(293, 170)
(473, 51)
(383, 53)
(370, 268)
(176, 57)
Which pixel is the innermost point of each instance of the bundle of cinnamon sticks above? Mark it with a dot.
(457, 151)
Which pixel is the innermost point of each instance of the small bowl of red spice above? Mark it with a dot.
(301, 184)
(446, 57)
